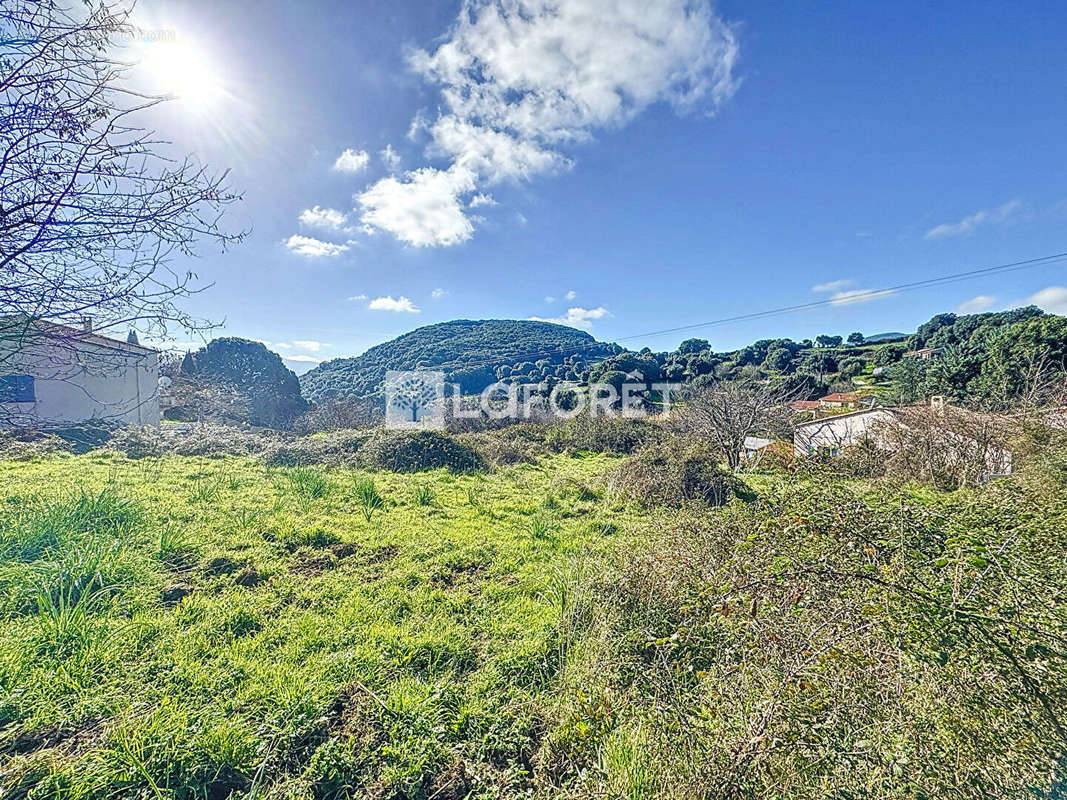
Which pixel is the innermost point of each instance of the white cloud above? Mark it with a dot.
(482, 200)
(437, 294)
(522, 78)
(351, 160)
(1052, 299)
(390, 304)
(424, 209)
(833, 286)
(317, 217)
(968, 225)
(853, 296)
(357, 297)
(310, 346)
(309, 359)
(549, 298)
(282, 345)
(576, 317)
(976, 305)
(390, 158)
(313, 248)
(570, 295)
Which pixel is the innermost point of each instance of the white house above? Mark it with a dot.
(966, 432)
(53, 374)
(829, 434)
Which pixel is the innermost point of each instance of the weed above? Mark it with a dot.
(309, 483)
(367, 497)
(424, 495)
(206, 490)
(542, 526)
(248, 518)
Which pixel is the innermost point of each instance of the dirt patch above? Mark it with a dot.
(313, 564)
(70, 740)
(451, 574)
(173, 593)
(344, 549)
(451, 784)
(248, 577)
(379, 555)
(220, 566)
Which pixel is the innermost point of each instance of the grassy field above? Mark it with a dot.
(214, 623)
(185, 627)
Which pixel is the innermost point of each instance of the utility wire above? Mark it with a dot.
(858, 297)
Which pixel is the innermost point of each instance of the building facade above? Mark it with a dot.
(52, 375)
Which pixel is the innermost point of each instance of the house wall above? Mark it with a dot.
(85, 380)
(836, 432)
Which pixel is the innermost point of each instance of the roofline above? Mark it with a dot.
(821, 420)
(89, 336)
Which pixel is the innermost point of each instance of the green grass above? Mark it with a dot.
(192, 628)
(269, 632)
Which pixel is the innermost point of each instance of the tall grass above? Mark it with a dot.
(309, 482)
(33, 531)
(367, 498)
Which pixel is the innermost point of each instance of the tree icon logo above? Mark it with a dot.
(414, 399)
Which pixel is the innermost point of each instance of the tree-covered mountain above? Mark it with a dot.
(978, 357)
(472, 353)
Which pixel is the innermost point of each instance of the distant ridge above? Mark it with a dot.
(472, 353)
(885, 337)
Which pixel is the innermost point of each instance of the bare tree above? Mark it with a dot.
(91, 210)
(727, 413)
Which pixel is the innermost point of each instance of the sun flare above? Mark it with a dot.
(180, 69)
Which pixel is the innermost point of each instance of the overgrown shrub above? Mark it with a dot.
(816, 645)
(603, 434)
(414, 451)
(334, 448)
(515, 444)
(20, 444)
(336, 415)
(675, 471)
(138, 441)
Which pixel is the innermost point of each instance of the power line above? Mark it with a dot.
(857, 297)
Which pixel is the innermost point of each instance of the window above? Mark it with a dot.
(16, 389)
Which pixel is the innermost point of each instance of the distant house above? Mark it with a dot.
(754, 444)
(805, 405)
(924, 353)
(54, 374)
(843, 400)
(830, 435)
(827, 436)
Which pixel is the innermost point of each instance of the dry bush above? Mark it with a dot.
(138, 441)
(515, 444)
(334, 415)
(23, 444)
(603, 434)
(334, 448)
(947, 448)
(674, 472)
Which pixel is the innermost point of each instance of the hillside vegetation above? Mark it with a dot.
(472, 353)
(991, 358)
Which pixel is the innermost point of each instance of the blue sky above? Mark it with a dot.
(643, 165)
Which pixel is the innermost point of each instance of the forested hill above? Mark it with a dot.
(473, 353)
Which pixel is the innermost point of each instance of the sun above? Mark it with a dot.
(178, 68)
